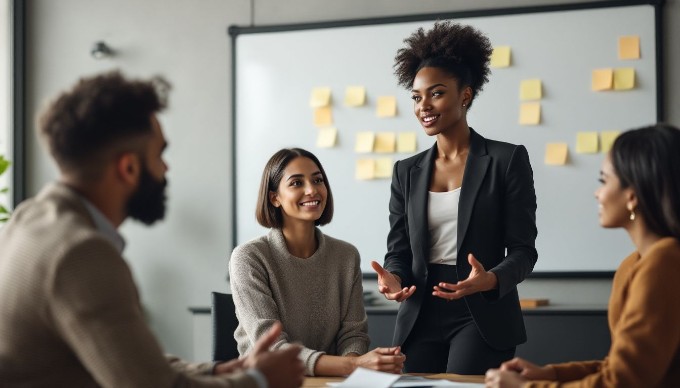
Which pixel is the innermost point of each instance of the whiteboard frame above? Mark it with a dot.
(235, 31)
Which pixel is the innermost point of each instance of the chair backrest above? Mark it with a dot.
(224, 325)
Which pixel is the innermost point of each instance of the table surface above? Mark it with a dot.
(317, 382)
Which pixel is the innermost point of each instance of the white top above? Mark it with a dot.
(442, 215)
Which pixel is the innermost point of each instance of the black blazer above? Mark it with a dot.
(496, 212)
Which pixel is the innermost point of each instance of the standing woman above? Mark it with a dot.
(640, 192)
(295, 274)
(462, 216)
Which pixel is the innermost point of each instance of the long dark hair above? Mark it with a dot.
(648, 160)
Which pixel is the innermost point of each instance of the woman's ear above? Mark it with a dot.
(632, 199)
(273, 199)
(467, 96)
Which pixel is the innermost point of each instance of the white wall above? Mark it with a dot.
(179, 261)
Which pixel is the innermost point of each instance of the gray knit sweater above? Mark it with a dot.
(318, 300)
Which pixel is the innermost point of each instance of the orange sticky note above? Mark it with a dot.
(530, 113)
(624, 78)
(500, 57)
(385, 142)
(629, 47)
(602, 79)
(323, 117)
(556, 154)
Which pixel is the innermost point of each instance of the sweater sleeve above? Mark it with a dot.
(353, 334)
(255, 305)
(639, 355)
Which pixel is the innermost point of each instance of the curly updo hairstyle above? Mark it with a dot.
(462, 51)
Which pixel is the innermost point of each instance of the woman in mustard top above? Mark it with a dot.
(640, 192)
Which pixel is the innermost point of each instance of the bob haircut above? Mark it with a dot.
(271, 216)
(648, 160)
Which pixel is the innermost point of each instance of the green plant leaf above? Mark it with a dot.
(5, 190)
(4, 164)
(3, 210)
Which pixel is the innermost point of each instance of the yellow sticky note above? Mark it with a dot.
(385, 142)
(530, 89)
(355, 96)
(624, 78)
(320, 97)
(383, 167)
(629, 47)
(406, 142)
(607, 139)
(530, 113)
(602, 79)
(500, 57)
(387, 106)
(556, 154)
(327, 137)
(365, 169)
(586, 142)
(323, 117)
(364, 143)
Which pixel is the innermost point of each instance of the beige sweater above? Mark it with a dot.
(644, 320)
(318, 300)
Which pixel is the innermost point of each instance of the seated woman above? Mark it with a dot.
(640, 192)
(295, 274)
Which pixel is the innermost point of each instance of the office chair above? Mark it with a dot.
(224, 325)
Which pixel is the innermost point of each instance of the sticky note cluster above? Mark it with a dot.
(374, 168)
(622, 78)
(587, 142)
(530, 91)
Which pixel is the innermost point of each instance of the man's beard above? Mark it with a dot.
(147, 204)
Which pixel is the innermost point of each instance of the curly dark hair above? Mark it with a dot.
(98, 116)
(460, 50)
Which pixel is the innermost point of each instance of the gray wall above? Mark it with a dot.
(179, 261)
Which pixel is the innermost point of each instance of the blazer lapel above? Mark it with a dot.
(475, 170)
(417, 207)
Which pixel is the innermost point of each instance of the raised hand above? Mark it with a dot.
(478, 281)
(390, 285)
(282, 368)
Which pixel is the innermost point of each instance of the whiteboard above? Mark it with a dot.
(276, 69)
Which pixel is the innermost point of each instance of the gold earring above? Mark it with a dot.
(632, 213)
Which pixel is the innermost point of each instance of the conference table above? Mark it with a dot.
(318, 382)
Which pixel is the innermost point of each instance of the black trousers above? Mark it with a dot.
(445, 338)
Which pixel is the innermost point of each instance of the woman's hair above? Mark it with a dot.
(271, 216)
(462, 51)
(648, 160)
